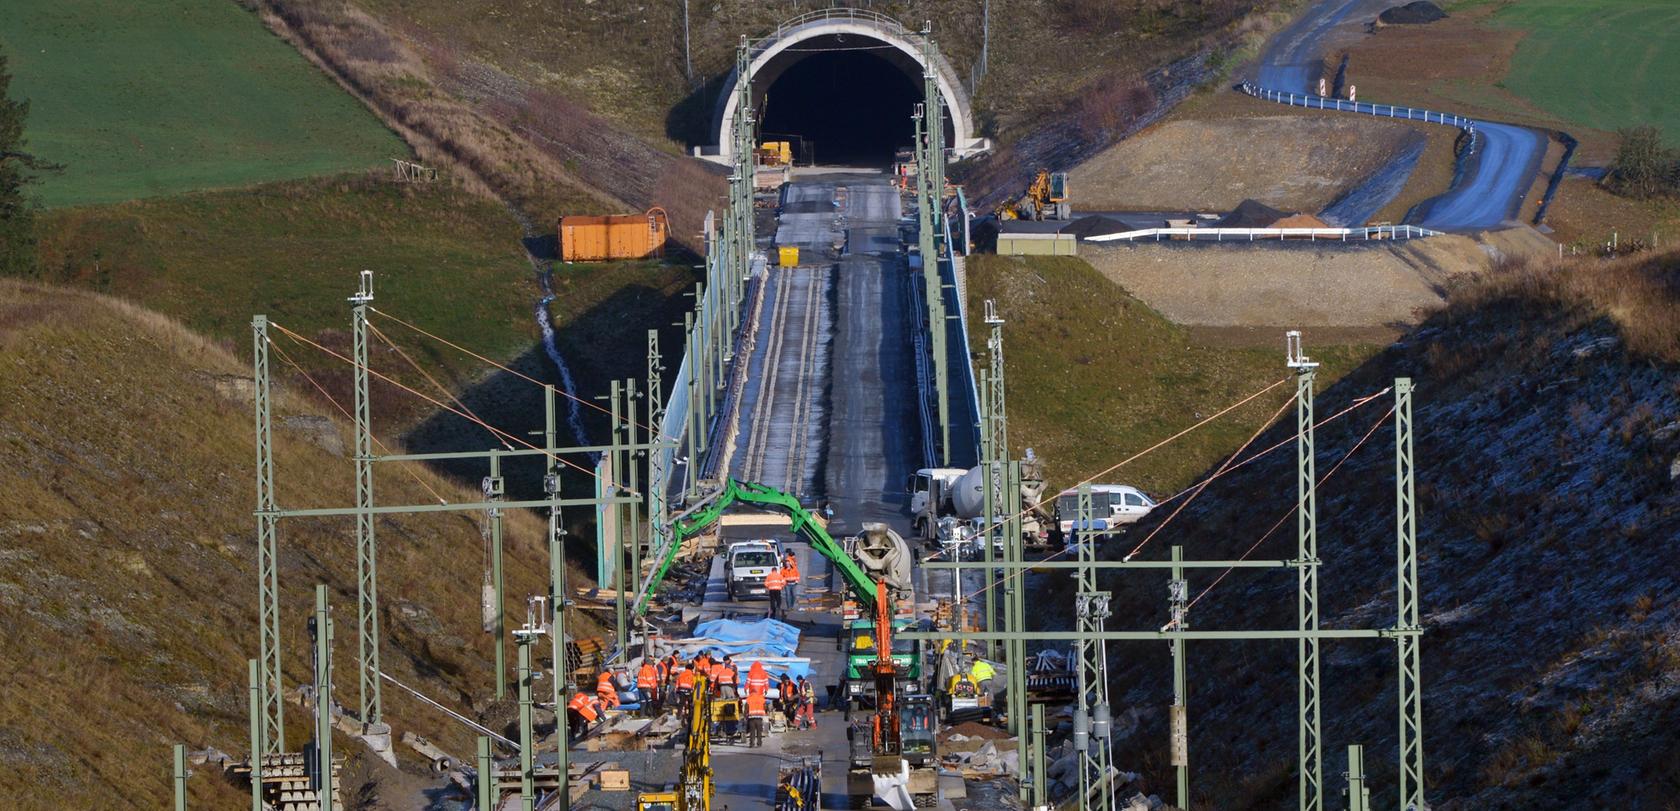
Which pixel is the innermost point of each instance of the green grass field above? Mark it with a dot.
(1095, 375)
(442, 258)
(1599, 63)
(146, 99)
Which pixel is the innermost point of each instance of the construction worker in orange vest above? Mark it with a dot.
(807, 714)
(790, 574)
(726, 676)
(685, 684)
(758, 718)
(606, 691)
(774, 582)
(582, 711)
(758, 679)
(647, 683)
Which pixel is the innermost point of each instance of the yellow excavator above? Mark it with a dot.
(694, 788)
(1046, 199)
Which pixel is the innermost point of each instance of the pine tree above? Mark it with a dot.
(17, 171)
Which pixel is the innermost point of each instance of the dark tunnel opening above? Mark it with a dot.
(846, 108)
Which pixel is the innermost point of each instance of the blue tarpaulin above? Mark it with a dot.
(772, 642)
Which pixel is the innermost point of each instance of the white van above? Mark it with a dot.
(746, 566)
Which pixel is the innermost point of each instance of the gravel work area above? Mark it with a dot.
(1289, 162)
(1294, 284)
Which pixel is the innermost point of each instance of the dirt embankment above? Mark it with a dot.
(1288, 162)
(127, 557)
(1548, 500)
(1380, 286)
(532, 148)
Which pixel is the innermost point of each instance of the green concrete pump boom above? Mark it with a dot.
(710, 508)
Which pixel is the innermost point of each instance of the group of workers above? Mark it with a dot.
(672, 680)
(783, 585)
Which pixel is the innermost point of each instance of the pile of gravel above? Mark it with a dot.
(1414, 13)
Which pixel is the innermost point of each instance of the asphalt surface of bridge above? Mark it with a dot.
(856, 381)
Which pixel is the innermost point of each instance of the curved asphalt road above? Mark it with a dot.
(1490, 186)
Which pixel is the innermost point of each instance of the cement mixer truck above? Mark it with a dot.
(937, 492)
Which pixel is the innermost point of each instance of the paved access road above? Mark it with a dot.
(1491, 185)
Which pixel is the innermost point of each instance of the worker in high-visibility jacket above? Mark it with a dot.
(582, 711)
(981, 672)
(807, 714)
(790, 578)
(685, 684)
(758, 679)
(758, 718)
(774, 582)
(725, 677)
(647, 683)
(606, 691)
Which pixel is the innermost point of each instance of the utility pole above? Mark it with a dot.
(1016, 609)
(254, 675)
(494, 488)
(1178, 593)
(1091, 720)
(617, 410)
(524, 637)
(557, 638)
(321, 628)
(1406, 597)
(180, 777)
(1311, 781)
(273, 727)
(367, 567)
(658, 473)
(999, 411)
(1358, 794)
(633, 462)
(486, 782)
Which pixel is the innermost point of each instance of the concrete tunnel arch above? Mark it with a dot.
(775, 54)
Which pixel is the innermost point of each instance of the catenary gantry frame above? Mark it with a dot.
(1308, 634)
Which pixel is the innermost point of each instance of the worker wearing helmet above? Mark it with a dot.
(582, 711)
(774, 582)
(758, 679)
(758, 718)
(605, 689)
(807, 704)
(726, 676)
(647, 683)
(981, 672)
(790, 574)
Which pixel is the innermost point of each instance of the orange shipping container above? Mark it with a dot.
(616, 236)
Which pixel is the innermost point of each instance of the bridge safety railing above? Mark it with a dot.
(961, 360)
(1373, 232)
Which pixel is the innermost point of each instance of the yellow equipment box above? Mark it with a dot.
(788, 256)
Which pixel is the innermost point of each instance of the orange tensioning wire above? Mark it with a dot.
(429, 378)
(1223, 469)
(511, 371)
(1356, 404)
(493, 429)
(1128, 460)
(1321, 481)
(342, 410)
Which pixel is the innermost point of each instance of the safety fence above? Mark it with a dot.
(1314, 102)
(1373, 232)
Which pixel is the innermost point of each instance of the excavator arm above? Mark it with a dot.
(709, 509)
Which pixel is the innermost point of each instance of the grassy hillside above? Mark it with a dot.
(1599, 65)
(127, 556)
(1547, 449)
(1094, 375)
(442, 258)
(147, 99)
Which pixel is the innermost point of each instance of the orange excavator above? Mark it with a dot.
(896, 752)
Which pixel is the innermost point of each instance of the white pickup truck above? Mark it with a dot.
(745, 566)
